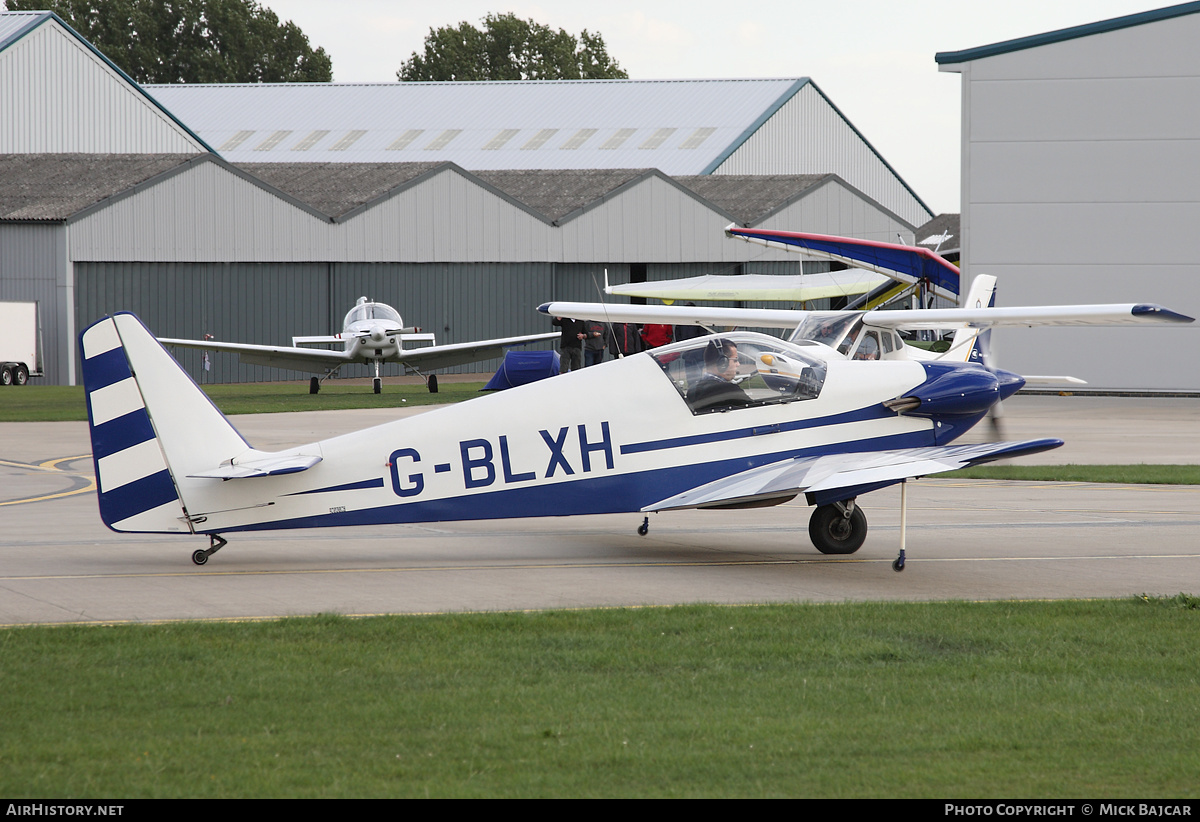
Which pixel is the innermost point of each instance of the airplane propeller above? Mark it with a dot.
(995, 414)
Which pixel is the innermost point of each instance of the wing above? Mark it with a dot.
(444, 356)
(903, 263)
(312, 360)
(1028, 316)
(757, 287)
(681, 315)
(946, 319)
(844, 471)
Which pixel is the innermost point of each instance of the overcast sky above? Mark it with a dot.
(873, 58)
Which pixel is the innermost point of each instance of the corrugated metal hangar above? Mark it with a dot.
(112, 197)
(255, 213)
(1081, 183)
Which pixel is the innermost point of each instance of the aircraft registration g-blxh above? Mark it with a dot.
(372, 333)
(731, 420)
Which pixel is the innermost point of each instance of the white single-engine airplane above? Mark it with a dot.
(372, 333)
(731, 420)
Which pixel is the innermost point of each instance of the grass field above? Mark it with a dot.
(1037, 699)
(52, 403)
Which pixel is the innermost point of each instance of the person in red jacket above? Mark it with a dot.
(655, 335)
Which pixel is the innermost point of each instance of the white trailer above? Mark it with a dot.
(20, 343)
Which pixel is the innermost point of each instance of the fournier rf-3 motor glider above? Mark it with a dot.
(737, 419)
(372, 333)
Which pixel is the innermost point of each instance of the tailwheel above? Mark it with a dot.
(644, 528)
(215, 543)
(839, 528)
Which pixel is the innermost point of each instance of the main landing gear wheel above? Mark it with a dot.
(432, 383)
(840, 528)
(215, 543)
(314, 385)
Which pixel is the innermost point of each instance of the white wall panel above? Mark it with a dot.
(1160, 49)
(1108, 109)
(1081, 183)
(59, 96)
(1086, 172)
(784, 144)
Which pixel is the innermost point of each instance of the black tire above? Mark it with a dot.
(378, 385)
(200, 557)
(432, 384)
(20, 375)
(314, 385)
(6, 376)
(832, 533)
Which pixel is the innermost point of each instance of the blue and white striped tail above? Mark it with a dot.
(149, 422)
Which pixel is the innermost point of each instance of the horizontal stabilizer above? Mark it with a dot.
(260, 464)
(827, 473)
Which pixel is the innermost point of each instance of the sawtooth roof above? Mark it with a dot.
(54, 187)
(57, 187)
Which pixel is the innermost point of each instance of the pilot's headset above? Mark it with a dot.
(714, 354)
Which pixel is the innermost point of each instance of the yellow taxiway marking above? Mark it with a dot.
(52, 467)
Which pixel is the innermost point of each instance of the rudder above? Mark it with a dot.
(150, 424)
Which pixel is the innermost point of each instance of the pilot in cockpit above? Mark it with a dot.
(716, 387)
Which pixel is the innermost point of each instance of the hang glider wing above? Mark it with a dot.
(681, 315)
(444, 356)
(309, 360)
(904, 263)
(760, 287)
(843, 471)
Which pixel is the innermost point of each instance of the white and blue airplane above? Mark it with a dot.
(372, 333)
(737, 419)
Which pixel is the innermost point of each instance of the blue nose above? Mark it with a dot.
(955, 390)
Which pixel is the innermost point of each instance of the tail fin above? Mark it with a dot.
(971, 344)
(150, 426)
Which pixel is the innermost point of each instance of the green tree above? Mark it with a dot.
(510, 49)
(192, 41)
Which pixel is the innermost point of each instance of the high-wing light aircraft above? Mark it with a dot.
(732, 420)
(372, 333)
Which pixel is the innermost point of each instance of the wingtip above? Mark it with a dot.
(1160, 313)
(544, 308)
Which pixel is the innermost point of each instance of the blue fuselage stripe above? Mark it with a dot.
(617, 493)
(873, 412)
(349, 486)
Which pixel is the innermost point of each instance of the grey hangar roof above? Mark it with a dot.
(677, 126)
(60, 187)
(680, 127)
